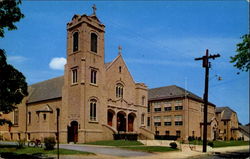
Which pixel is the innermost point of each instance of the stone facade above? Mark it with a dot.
(174, 111)
(94, 99)
(228, 127)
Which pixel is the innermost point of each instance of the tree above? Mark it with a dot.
(9, 14)
(242, 58)
(12, 82)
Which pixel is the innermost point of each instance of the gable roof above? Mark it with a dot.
(170, 92)
(49, 89)
(245, 129)
(225, 111)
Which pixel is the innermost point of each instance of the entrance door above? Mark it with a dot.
(131, 118)
(110, 118)
(121, 122)
(73, 132)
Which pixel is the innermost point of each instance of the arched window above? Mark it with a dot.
(142, 100)
(119, 90)
(142, 119)
(93, 42)
(93, 109)
(75, 41)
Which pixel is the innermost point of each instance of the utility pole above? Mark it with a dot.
(206, 65)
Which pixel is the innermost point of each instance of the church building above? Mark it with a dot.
(93, 99)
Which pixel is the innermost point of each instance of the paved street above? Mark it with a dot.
(105, 150)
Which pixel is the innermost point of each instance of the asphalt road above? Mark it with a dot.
(105, 150)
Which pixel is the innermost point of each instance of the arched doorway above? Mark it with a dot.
(111, 114)
(131, 119)
(121, 121)
(73, 132)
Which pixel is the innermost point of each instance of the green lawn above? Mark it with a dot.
(230, 143)
(117, 143)
(32, 150)
(150, 148)
(222, 143)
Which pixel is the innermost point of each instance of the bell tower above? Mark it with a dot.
(84, 73)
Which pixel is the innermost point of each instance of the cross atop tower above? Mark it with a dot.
(119, 49)
(94, 9)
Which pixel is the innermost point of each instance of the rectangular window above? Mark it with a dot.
(74, 76)
(149, 105)
(178, 120)
(178, 123)
(167, 120)
(167, 123)
(157, 109)
(167, 108)
(167, 133)
(93, 76)
(75, 41)
(157, 121)
(148, 121)
(142, 119)
(178, 133)
(44, 116)
(157, 106)
(29, 117)
(178, 107)
(225, 131)
(202, 107)
(16, 116)
(225, 123)
(142, 100)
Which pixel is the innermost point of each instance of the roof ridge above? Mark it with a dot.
(46, 80)
(163, 87)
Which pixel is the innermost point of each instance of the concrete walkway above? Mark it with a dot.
(105, 150)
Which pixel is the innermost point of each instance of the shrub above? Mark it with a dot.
(20, 144)
(210, 143)
(173, 145)
(49, 142)
(191, 138)
(231, 138)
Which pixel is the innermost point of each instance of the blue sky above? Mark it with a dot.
(159, 43)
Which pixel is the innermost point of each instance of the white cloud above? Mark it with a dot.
(57, 63)
(16, 59)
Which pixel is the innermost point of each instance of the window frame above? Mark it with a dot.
(74, 76)
(29, 118)
(16, 117)
(179, 107)
(75, 41)
(93, 42)
(92, 110)
(93, 76)
(119, 90)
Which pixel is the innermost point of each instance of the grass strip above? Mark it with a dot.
(221, 143)
(31, 150)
